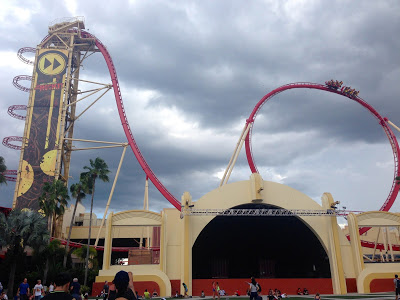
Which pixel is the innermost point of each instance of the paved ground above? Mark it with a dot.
(378, 296)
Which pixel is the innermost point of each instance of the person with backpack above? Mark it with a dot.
(254, 289)
(396, 281)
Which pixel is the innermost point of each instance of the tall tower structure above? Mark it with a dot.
(45, 152)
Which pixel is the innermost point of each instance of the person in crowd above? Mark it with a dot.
(75, 289)
(278, 295)
(299, 291)
(218, 289)
(51, 287)
(124, 285)
(305, 291)
(155, 294)
(146, 294)
(23, 290)
(112, 293)
(105, 290)
(214, 290)
(396, 282)
(62, 282)
(253, 289)
(3, 296)
(38, 290)
(185, 288)
(317, 296)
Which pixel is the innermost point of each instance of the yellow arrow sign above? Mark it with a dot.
(52, 64)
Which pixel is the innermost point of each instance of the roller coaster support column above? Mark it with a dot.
(398, 129)
(186, 257)
(145, 207)
(334, 251)
(390, 244)
(108, 243)
(111, 194)
(235, 154)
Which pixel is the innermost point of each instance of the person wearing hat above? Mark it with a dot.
(124, 286)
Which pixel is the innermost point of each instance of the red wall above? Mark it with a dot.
(175, 286)
(351, 284)
(382, 285)
(289, 286)
(140, 286)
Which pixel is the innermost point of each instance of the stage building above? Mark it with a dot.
(284, 252)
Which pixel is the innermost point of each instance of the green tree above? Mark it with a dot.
(53, 201)
(81, 253)
(78, 191)
(98, 169)
(3, 168)
(21, 229)
(51, 255)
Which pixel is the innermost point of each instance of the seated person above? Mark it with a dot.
(222, 292)
(202, 294)
(155, 294)
(305, 291)
(237, 293)
(146, 294)
(299, 291)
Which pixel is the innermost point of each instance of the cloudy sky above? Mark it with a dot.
(191, 73)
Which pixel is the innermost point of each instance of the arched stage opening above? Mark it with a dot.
(264, 247)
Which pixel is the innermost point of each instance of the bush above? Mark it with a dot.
(85, 289)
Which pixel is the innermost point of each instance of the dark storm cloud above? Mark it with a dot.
(212, 62)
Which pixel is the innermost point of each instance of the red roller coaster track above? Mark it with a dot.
(8, 139)
(25, 50)
(12, 108)
(118, 97)
(382, 121)
(20, 87)
(307, 85)
(10, 175)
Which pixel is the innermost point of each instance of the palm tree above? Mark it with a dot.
(21, 229)
(81, 253)
(3, 168)
(51, 255)
(53, 202)
(78, 191)
(98, 169)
